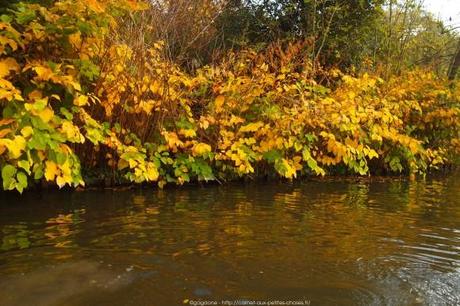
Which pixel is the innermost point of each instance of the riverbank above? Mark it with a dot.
(101, 184)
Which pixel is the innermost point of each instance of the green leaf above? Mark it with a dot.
(38, 172)
(22, 179)
(24, 14)
(36, 142)
(68, 115)
(85, 27)
(61, 158)
(312, 164)
(6, 18)
(8, 172)
(24, 164)
(272, 155)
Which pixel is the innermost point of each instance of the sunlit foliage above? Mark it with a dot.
(75, 96)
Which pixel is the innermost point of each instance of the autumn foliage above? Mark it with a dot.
(75, 96)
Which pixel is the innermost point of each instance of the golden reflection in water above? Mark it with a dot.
(61, 230)
(294, 233)
(58, 231)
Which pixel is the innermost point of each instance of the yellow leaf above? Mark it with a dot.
(122, 164)
(187, 133)
(235, 120)
(119, 68)
(6, 65)
(372, 154)
(7, 41)
(95, 6)
(15, 146)
(19, 144)
(413, 147)
(66, 175)
(296, 163)
(56, 97)
(74, 84)
(204, 124)
(252, 127)
(27, 131)
(289, 171)
(132, 163)
(72, 132)
(75, 40)
(51, 170)
(218, 103)
(155, 87)
(46, 115)
(43, 73)
(8, 91)
(161, 184)
(172, 140)
(35, 95)
(152, 172)
(81, 100)
(60, 181)
(200, 149)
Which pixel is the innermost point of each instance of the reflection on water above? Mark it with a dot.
(387, 242)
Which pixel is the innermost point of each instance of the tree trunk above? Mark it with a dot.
(455, 64)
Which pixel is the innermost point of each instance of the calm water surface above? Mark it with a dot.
(385, 242)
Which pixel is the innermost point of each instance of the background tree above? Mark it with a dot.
(348, 34)
(339, 31)
(455, 64)
(412, 38)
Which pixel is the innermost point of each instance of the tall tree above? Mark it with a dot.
(453, 69)
(339, 30)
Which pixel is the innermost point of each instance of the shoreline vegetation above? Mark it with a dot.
(86, 95)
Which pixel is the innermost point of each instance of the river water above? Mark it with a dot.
(331, 242)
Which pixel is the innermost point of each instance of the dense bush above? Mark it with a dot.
(73, 95)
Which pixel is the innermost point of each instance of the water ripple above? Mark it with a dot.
(345, 242)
